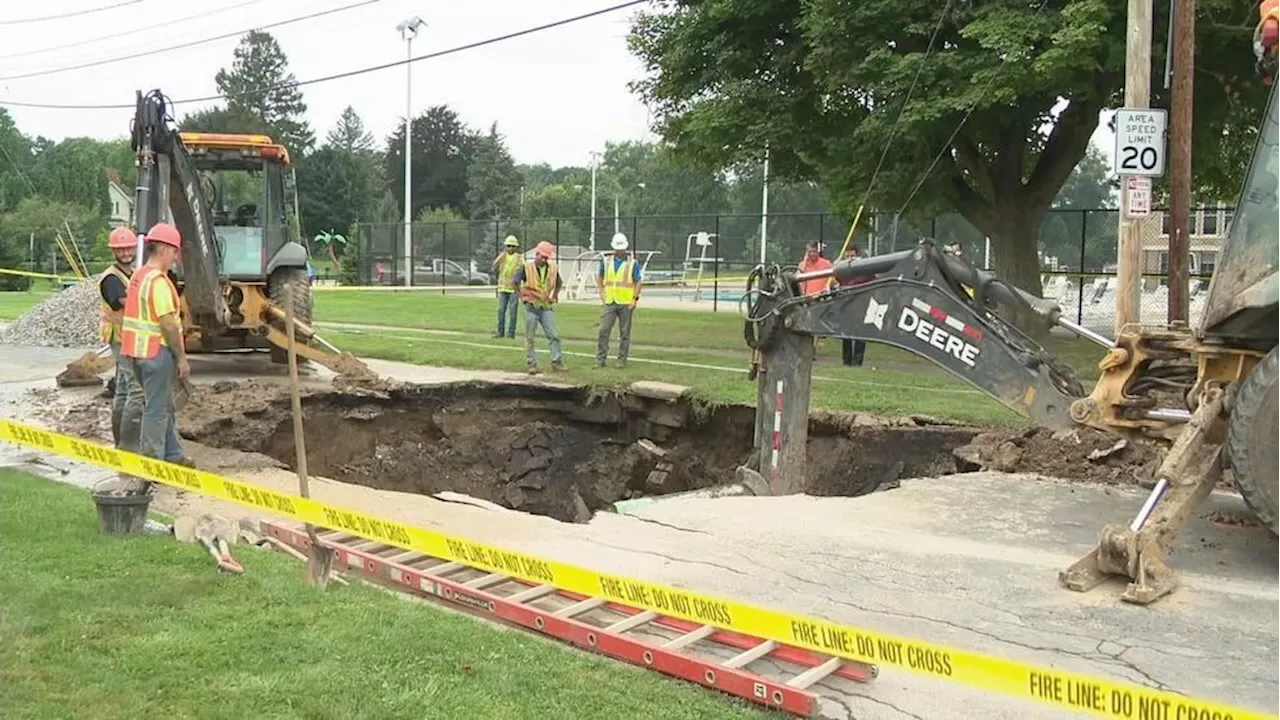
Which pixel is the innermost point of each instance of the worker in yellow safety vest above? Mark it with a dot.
(152, 344)
(539, 286)
(505, 266)
(113, 285)
(618, 283)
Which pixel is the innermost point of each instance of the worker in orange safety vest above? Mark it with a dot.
(154, 352)
(539, 284)
(113, 285)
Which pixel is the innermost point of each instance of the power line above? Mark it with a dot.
(74, 13)
(116, 36)
(947, 145)
(350, 73)
(193, 43)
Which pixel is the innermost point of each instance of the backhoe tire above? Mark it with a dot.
(278, 286)
(1251, 440)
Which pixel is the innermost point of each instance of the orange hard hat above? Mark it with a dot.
(545, 249)
(121, 238)
(165, 233)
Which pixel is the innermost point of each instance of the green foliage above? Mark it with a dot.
(493, 182)
(259, 85)
(821, 82)
(443, 147)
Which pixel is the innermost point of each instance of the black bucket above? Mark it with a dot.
(122, 514)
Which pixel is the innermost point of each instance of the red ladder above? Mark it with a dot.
(672, 646)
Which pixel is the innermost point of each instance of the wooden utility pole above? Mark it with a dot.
(1137, 94)
(1180, 124)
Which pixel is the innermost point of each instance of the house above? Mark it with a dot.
(121, 205)
(1208, 228)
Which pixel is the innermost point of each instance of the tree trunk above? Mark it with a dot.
(1015, 244)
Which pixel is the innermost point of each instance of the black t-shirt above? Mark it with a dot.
(114, 290)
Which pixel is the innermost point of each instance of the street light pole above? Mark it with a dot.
(408, 30)
(591, 236)
(764, 206)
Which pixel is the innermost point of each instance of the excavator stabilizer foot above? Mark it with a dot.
(1185, 478)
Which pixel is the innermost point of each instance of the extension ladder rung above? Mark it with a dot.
(670, 645)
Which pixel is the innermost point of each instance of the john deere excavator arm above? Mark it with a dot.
(166, 176)
(938, 307)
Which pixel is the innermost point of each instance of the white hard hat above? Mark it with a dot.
(619, 242)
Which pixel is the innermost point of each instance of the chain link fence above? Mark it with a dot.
(704, 259)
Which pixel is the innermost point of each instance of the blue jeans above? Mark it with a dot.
(122, 392)
(507, 300)
(546, 317)
(149, 421)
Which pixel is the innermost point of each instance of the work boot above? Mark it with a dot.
(600, 363)
(622, 363)
(557, 366)
(533, 370)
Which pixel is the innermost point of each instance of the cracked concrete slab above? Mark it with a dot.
(968, 561)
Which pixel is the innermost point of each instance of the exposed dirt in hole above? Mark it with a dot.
(1079, 454)
(552, 451)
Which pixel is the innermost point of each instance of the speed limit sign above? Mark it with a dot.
(1140, 135)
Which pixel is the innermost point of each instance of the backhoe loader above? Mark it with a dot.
(1206, 395)
(233, 200)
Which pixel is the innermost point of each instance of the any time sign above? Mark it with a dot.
(1139, 142)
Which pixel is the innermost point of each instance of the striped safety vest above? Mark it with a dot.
(109, 325)
(140, 335)
(507, 267)
(618, 284)
(533, 291)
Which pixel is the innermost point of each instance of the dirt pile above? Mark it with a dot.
(1078, 454)
(564, 453)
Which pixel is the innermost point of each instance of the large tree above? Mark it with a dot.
(337, 184)
(260, 85)
(1003, 99)
(443, 147)
(493, 182)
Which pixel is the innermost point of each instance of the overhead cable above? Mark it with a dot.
(350, 73)
(193, 43)
(73, 13)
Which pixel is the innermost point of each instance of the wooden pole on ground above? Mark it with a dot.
(319, 558)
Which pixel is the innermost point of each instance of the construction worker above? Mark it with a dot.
(113, 285)
(151, 342)
(812, 262)
(853, 352)
(505, 266)
(619, 285)
(539, 284)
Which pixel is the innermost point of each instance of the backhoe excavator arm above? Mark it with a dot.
(919, 301)
(167, 175)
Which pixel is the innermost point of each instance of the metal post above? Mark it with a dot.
(408, 167)
(408, 30)
(615, 213)
(591, 236)
(1137, 94)
(1180, 127)
(764, 207)
(715, 270)
(1084, 224)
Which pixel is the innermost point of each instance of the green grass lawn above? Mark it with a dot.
(701, 349)
(113, 627)
(14, 304)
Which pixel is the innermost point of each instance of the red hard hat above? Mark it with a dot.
(165, 233)
(545, 249)
(121, 238)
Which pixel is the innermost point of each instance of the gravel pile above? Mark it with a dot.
(68, 318)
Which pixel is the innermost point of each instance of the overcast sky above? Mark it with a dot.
(556, 95)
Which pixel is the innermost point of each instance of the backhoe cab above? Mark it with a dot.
(232, 198)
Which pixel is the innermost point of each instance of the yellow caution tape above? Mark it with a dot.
(28, 273)
(1061, 689)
